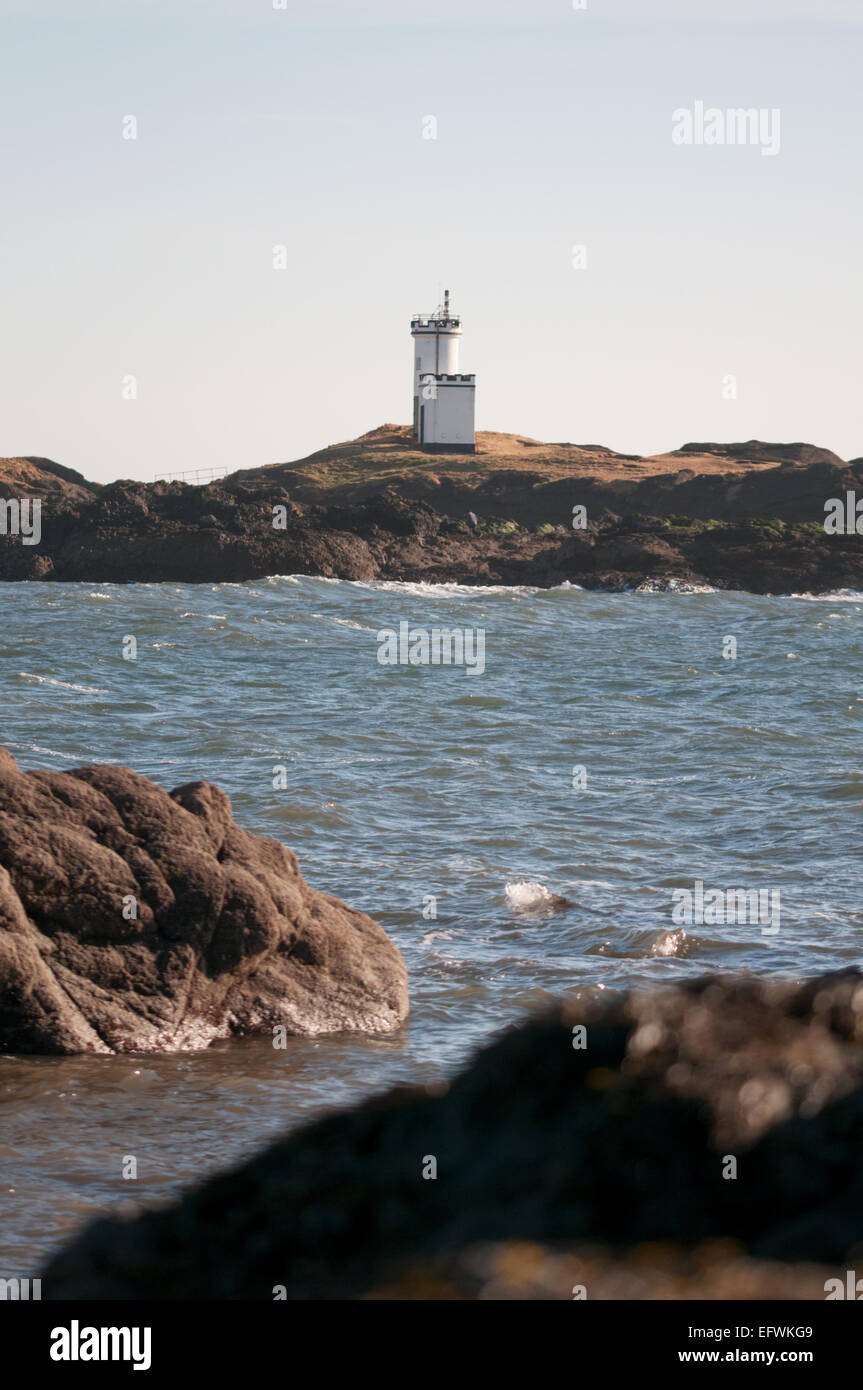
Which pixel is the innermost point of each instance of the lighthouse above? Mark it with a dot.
(444, 398)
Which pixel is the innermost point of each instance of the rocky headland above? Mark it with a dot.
(132, 920)
(697, 1141)
(747, 516)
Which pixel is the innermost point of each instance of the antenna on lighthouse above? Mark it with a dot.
(446, 304)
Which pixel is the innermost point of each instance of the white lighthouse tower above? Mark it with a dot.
(444, 399)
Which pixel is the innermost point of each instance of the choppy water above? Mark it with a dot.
(409, 782)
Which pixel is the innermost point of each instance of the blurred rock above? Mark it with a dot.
(515, 1271)
(725, 1109)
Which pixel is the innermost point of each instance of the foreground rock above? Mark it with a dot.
(635, 1138)
(131, 920)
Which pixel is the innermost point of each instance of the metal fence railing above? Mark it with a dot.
(193, 476)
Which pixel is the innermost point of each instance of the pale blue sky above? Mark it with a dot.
(304, 127)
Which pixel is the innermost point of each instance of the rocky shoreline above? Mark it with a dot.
(757, 526)
(698, 1140)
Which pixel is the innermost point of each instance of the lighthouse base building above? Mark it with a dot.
(444, 398)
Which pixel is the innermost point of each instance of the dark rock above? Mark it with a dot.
(227, 937)
(626, 1141)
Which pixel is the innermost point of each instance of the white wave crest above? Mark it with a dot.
(526, 895)
(674, 586)
(835, 596)
(64, 685)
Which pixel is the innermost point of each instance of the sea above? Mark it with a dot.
(524, 827)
